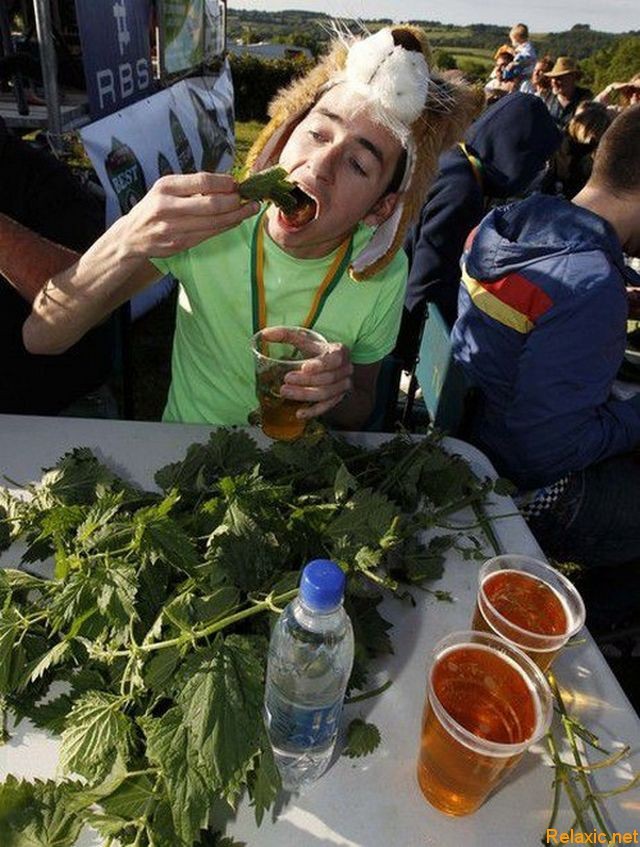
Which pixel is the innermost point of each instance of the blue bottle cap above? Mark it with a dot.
(322, 585)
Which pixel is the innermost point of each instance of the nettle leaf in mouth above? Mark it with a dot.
(272, 184)
(304, 210)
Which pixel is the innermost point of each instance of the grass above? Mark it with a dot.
(246, 133)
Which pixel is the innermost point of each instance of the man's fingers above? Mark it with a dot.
(318, 377)
(317, 393)
(184, 185)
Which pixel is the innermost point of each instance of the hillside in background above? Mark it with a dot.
(605, 56)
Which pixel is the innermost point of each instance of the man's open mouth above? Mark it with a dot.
(305, 210)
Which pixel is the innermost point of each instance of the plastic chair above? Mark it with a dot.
(446, 394)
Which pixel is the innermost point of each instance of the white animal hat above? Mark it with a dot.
(426, 112)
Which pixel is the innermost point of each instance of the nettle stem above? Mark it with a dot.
(270, 603)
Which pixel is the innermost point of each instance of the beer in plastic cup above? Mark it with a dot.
(276, 351)
(528, 603)
(487, 702)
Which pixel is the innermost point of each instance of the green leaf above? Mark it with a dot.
(117, 592)
(37, 814)
(418, 563)
(171, 746)
(362, 738)
(370, 629)
(131, 798)
(265, 783)
(270, 184)
(222, 703)
(53, 657)
(159, 537)
(52, 715)
(364, 519)
(158, 671)
(228, 452)
(345, 483)
(96, 731)
(74, 478)
(504, 487)
(5, 530)
(9, 631)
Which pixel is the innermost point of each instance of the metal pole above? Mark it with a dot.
(44, 30)
(7, 50)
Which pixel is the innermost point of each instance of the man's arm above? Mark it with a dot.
(27, 259)
(177, 213)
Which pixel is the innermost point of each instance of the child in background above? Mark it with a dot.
(524, 60)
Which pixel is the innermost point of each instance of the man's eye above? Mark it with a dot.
(317, 136)
(357, 167)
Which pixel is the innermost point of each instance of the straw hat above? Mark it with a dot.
(425, 110)
(564, 65)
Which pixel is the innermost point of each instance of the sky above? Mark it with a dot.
(539, 15)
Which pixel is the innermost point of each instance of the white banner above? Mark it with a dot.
(183, 129)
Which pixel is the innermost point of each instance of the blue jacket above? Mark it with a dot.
(542, 332)
(512, 140)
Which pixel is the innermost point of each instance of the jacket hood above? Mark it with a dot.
(513, 139)
(539, 227)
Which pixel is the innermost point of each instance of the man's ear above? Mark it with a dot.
(382, 210)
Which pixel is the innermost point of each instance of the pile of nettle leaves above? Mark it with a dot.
(146, 652)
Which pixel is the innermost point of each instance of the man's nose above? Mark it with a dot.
(324, 162)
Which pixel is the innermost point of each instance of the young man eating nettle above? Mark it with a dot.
(360, 135)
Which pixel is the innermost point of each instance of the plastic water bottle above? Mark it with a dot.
(310, 660)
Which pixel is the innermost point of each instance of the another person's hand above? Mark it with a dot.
(180, 211)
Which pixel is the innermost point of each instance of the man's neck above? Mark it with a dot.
(606, 205)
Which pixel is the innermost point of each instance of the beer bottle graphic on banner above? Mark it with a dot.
(181, 143)
(164, 165)
(213, 137)
(125, 175)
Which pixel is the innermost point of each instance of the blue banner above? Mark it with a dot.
(116, 52)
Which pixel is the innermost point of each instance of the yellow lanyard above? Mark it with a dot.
(337, 268)
(476, 165)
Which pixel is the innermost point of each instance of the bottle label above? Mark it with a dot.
(303, 727)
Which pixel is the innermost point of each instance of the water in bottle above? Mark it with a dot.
(310, 660)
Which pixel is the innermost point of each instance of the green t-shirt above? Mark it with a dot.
(212, 367)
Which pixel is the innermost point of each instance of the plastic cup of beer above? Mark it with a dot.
(277, 350)
(486, 704)
(529, 604)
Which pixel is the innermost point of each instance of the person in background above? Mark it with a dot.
(360, 136)
(541, 334)
(521, 67)
(504, 150)
(539, 84)
(502, 57)
(46, 219)
(567, 94)
(629, 94)
(570, 167)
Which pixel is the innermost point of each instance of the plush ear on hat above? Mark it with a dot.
(450, 107)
